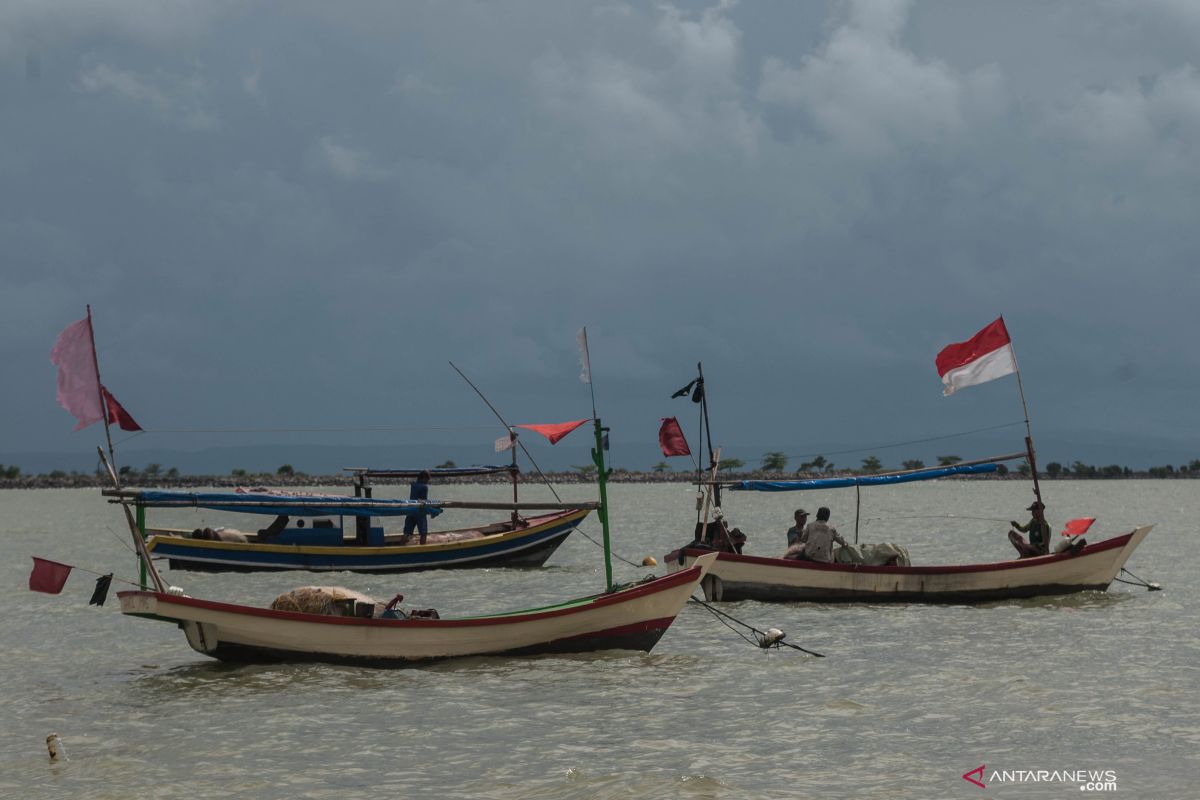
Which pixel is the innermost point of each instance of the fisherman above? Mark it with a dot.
(818, 539)
(1038, 530)
(418, 490)
(795, 534)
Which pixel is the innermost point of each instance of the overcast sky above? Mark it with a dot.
(293, 215)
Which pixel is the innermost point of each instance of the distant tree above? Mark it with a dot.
(446, 465)
(1054, 469)
(1111, 471)
(10, 472)
(587, 470)
(816, 465)
(238, 473)
(913, 463)
(1001, 469)
(774, 461)
(286, 470)
(126, 470)
(58, 473)
(173, 473)
(1082, 470)
(1194, 465)
(731, 463)
(662, 466)
(1023, 468)
(152, 470)
(871, 464)
(948, 461)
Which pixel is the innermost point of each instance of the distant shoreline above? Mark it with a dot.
(80, 481)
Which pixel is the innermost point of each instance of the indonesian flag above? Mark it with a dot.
(670, 438)
(48, 576)
(556, 430)
(1078, 527)
(984, 357)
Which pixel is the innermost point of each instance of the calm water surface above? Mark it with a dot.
(908, 699)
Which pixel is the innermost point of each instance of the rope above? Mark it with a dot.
(764, 640)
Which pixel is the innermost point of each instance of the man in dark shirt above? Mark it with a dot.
(418, 490)
(795, 534)
(1038, 530)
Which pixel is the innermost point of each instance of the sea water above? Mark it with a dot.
(907, 699)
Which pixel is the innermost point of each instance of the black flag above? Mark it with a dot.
(684, 390)
(696, 387)
(101, 593)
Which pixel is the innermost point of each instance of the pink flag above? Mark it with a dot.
(670, 438)
(984, 357)
(48, 576)
(78, 383)
(556, 430)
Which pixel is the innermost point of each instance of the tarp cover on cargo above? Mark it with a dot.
(860, 480)
(293, 505)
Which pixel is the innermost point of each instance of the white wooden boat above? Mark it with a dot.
(744, 577)
(632, 618)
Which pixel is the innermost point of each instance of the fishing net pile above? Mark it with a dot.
(334, 601)
(874, 555)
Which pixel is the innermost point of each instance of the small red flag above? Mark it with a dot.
(670, 438)
(117, 413)
(1078, 527)
(48, 576)
(555, 430)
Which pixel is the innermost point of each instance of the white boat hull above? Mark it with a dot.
(741, 577)
(633, 618)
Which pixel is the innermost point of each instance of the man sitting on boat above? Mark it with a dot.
(816, 543)
(1038, 530)
(796, 533)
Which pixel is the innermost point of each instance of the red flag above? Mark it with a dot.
(984, 357)
(670, 438)
(555, 430)
(1078, 527)
(48, 576)
(117, 413)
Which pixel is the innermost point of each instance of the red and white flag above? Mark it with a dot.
(984, 357)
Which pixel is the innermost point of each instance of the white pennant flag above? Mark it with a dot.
(584, 361)
(504, 443)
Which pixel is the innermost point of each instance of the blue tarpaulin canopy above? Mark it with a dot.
(292, 505)
(436, 472)
(861, 480)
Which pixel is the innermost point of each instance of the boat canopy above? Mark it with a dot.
(436, 472)
(280, 504)
(861, 480)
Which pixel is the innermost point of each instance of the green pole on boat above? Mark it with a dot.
(602, 512)
(141, 526)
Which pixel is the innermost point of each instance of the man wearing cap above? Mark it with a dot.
(1038, 530)
(819, 537)
(795, 535)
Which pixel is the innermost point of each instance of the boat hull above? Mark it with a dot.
(525, 547)
(634, 618)
(740, 577)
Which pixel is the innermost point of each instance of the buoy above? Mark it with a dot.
(54, 747)
(649, 561)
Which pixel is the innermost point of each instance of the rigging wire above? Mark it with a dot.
(913, 441)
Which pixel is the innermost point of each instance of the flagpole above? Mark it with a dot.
(598, 460)
(1037, 489)
(100, 388)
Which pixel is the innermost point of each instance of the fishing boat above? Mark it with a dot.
(738, 576)
(1074, 566)
(358, 630)
(326, 533)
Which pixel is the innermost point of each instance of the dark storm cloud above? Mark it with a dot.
(297, 216)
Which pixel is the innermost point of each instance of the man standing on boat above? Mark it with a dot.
(1038, 530)
(795, 534)
(418, 490)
